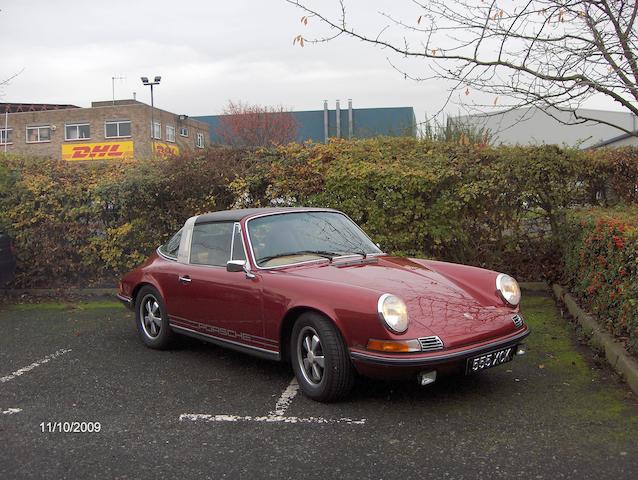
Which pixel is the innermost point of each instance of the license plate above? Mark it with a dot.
(490, 359)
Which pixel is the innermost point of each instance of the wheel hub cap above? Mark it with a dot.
(151, 317)
(310, 354)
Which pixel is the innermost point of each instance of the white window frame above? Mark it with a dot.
(118, 122)
(77, 126)
(171, 129)
(5, 132)
(156, 130)
(37, 127)
(199, 140)
(183, 131)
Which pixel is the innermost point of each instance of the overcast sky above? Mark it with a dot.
(207, 52)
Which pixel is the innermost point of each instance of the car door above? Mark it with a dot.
(213, 301)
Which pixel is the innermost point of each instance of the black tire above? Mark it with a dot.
(154, 334)
(337, 375)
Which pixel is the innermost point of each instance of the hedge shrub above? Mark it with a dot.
(500, 208)
(601, 266)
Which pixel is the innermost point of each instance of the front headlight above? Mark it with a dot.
(394, 313)
(508, 288)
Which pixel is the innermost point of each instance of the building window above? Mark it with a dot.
(199, 142)
(117, 128)
(5, 136)
(77, 131)
(39, 134)
(156, 130)
(170, 133)
(183, 131)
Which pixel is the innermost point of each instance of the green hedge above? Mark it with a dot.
(601, 266)
(500, 208)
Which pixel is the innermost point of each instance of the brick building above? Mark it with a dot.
(106, 130)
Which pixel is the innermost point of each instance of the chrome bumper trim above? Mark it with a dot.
(433, 359)
(127, 301)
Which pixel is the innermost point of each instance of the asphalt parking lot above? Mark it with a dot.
(200, 411)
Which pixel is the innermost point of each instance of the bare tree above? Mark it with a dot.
(256, 125)
(553, 54)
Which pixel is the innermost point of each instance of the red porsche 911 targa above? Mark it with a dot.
(308, 286)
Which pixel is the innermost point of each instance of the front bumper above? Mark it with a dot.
(396, 366)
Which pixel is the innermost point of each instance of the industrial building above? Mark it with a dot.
(105, 131)
(534, 126)
(349, 122)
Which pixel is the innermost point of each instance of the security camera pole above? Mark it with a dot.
(155, 81)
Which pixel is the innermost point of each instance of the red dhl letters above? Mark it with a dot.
(97, 151)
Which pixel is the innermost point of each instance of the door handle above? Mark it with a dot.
(184, 279)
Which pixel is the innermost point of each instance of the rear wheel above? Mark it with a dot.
(151, 319)
(320, 358)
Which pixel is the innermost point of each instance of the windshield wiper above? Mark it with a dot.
(319, 253)
(358, 252)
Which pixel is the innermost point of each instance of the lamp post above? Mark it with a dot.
(155, 81)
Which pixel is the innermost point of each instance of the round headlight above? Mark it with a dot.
(508, 289)
(394, 313)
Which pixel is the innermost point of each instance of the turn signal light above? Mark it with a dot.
(394, 346)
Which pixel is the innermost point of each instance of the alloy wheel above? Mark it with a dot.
(310, 355)
(151, 316)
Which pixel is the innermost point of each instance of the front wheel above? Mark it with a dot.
(320, 359)
(152, 319)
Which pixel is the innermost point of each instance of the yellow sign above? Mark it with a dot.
(97, 151)
(166, 149)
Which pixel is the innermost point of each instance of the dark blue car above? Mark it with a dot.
(7, 260)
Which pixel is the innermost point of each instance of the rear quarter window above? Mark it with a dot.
(171, 248)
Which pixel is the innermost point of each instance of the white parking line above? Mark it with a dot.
(35, 364)
(274, 416)
(10, 411)
(194, 417)
(286, 398)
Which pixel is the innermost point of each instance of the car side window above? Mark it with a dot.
(211, 244)
(171, 248)
(238, 244)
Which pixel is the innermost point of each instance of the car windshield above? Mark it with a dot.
(295, 237)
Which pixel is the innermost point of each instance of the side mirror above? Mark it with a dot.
(239, 266)
(236, 266)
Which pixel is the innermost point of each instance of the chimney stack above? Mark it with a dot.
(338, 115)
(350, 124)
(325, 121)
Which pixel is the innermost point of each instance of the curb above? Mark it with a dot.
(615, 352)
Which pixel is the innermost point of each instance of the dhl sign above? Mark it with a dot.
(97, 151)
(165, 150)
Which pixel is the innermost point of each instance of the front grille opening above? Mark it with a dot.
(429, 344)
(518, 320)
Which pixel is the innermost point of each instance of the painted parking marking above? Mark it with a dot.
(10, 411)
(274, 416)
(35, 364)
(286, 399)
(194, 417)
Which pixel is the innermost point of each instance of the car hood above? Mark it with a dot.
(437, 305)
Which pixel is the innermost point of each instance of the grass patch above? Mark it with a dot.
(586, 396)
(59, 306)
